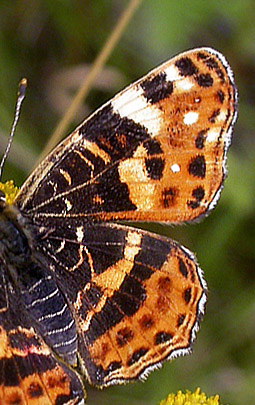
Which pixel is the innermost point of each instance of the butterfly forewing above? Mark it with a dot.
(155, 152)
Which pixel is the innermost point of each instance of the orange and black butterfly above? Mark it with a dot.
(84, 297)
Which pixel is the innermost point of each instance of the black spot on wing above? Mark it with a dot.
(186, 66)
(211, 63)
(187, 295)
(182, 267)
(201, 55)
(146, 322)
(197, 166)
(157, 88)
(169, 196)
(204, 80)
(220, 96)
(113, 366)
(162, 337)
(164, 285)
(180, 320)
(200, 139)
(137, 355)
(124, 336)
(35, 390)
(198, 194)
(152, 147)
(155, 167)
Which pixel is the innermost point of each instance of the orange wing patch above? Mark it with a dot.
(30, 373)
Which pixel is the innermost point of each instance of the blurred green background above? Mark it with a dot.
(53, 44)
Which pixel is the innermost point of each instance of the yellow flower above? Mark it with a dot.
(9, 190)
(190, 398)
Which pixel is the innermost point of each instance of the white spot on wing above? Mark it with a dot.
(79, 233)
(133, 245)
(212, 135)
(68, 205)
(132, 104)
(221, 116)
(190, 118)
(184, 84)
(172, 73)
(175, 168)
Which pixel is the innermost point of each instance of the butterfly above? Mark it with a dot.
(83, 296)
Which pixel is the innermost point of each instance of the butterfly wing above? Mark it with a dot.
(137, 298)
(29, 371)
(156, 151)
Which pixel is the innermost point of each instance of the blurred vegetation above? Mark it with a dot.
(53, 43)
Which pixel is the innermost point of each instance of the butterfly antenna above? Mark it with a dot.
(20, 97)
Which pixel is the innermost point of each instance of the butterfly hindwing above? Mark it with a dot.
(137, 298)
